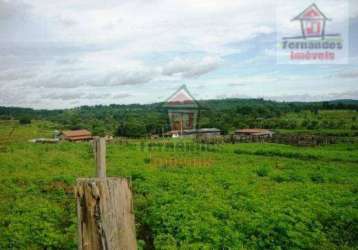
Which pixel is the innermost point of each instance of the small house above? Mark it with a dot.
(208, 132)
(76, 135)
(203, 132)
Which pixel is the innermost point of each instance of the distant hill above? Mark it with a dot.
(345, 101)
(212, 103)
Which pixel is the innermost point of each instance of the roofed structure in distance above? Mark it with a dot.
(77, 135)
(253, 131)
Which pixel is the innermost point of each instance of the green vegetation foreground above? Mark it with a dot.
(245, 196)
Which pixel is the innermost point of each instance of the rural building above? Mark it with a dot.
(76, 135)
(208, 132)
(203, 132)
(253, 132)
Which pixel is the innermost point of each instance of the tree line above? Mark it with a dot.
(137, 120)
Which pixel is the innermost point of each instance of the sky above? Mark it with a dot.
(64, 54)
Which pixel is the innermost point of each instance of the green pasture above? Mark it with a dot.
(250, 196)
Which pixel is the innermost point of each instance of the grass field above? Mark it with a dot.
(249, 196)
(11, 131)
(344, 118)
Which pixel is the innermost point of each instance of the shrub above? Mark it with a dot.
(280, 178)
(295, 177)
(24, 120)
(262, 171)
(317, 178)
(354, 189)
(165, 241)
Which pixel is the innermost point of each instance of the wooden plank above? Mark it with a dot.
(105, 214)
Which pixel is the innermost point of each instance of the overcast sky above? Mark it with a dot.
(59, 54)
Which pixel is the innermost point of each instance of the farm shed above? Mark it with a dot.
(76, 135)
(208, 132)
(253, 132)
(204, 132)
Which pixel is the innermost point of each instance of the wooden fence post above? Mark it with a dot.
(99, 147)
(104, 209)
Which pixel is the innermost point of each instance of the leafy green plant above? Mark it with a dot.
(24, 120)
(318, 178)
(262, 171)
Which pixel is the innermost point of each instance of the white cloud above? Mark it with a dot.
(121, 95)
(15, 74)
(63, 96)
(191, 68)
(75, 95)
(69, 73)
(134, 48)
(12, 9)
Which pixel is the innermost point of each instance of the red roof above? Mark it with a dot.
(75, 135)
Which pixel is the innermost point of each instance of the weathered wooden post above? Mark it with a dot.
(104, 209)
(99, 148)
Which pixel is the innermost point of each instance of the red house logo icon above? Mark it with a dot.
(313, 22)
(182, 110)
